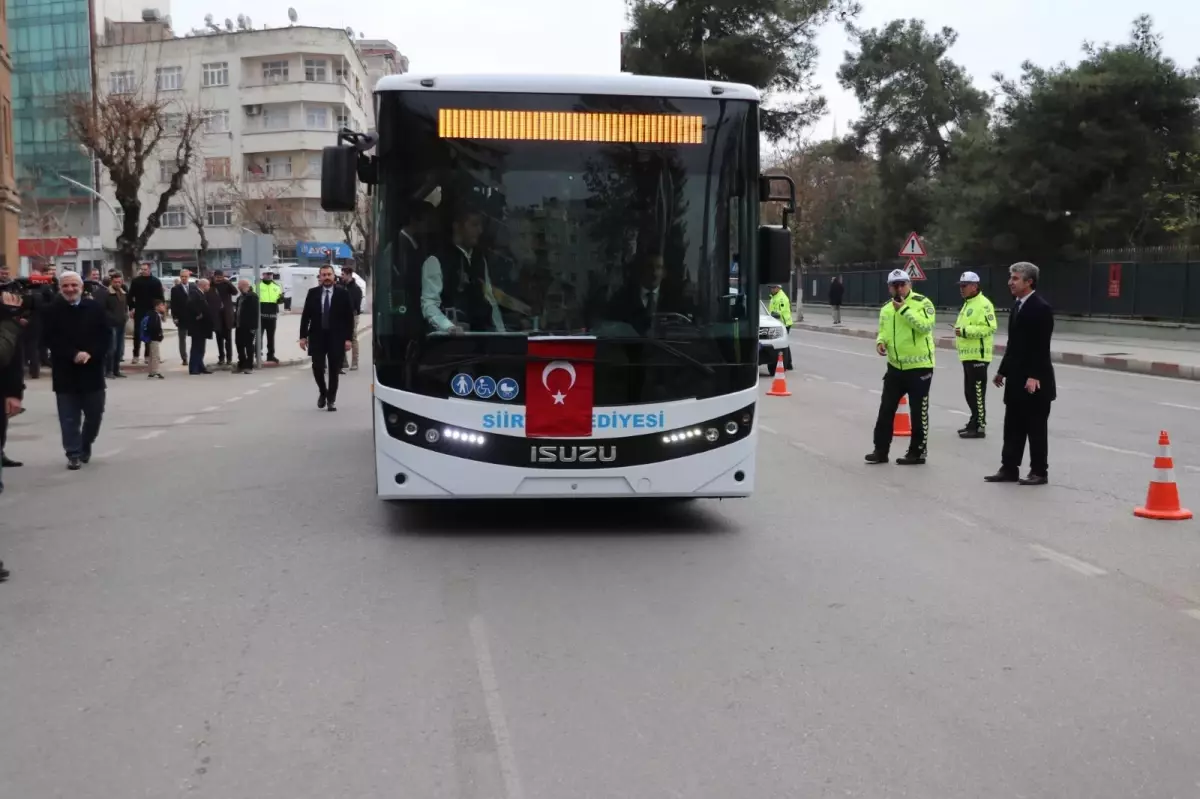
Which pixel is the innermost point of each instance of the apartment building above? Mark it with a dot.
(271, 99)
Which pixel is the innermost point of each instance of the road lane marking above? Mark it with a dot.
(1177, 405)
(234, 399)
(960, 519)
(251, 392)
(150, 435)
(815, 377)
(771, 430)
(267, 385)
(847, 385)
(1107, 448)
(112, 453)
(183, 420)
(958, 413)
(495, 710)
(875, 391)
(1193, 612)
(210, 409)
(835, 349)
(1074, 564)
(807, 448)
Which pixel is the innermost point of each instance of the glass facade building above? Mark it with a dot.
(50, 42)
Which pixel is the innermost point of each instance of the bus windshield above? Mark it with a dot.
(504, 216)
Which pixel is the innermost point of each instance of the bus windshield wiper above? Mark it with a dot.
(666, 346)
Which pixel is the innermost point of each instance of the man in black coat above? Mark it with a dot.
(1027, 375)
(326, 328)
(179, 312)
(356, 302)
(77, 333)
(245, 322)
(144, 293)
(200, 325)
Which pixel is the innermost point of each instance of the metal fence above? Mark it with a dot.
(1160, 291)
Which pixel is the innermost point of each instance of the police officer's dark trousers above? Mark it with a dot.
(896, 383)
(975, 379)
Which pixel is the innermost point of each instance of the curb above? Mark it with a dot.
(1157, 368)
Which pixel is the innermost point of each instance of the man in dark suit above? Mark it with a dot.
(326, 327)
(179, 311)
(1027, 375)
(639, 300)
(245, 318)
(199, 325)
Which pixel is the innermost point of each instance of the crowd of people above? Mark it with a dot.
(78, 329)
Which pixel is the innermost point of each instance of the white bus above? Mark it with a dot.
(552, 299)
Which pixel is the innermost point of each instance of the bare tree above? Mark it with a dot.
(267, 206)
(357, 225)
(195, 205)
(124, 131)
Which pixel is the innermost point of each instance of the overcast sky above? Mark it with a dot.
(549, 36)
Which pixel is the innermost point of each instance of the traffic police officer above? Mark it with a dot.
(780, 307)
(270, 297)
(974, 335)
(906, 338)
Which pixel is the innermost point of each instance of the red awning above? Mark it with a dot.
(47, 248)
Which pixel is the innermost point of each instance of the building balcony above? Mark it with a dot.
(298, 186)
(257, 91)
(257, 138)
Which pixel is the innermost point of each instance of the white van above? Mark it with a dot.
(772, 338)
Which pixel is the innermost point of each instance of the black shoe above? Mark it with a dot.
(972, 434)
(185, 363)
(272, 359)
(1034, 480)
(4, 573)
(86, 457)
(74, 464)
(876, 457)
(965, 429)
(321, 401)
(911, 460)
(207, 372)
(331, 407)
(119, 374)
(9, 463)
(1003, 476)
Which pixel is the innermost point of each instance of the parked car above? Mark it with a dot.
(772, 338)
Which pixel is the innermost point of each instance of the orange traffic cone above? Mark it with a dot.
(1162, 500)
(779, 384)
(902, 424)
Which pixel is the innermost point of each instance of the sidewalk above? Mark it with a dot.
(1180, 359)
(287, 333)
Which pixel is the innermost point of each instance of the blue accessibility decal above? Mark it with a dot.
(485, 387)
(507, 388)
(462, 385)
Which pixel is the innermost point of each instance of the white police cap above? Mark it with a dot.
(969, 277)
(898, 276)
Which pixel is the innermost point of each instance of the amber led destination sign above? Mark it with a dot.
(464, 123)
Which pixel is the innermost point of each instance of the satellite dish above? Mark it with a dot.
(228, 24)
(241, 19)
(292, 15)
(350, 32)
(208, 19)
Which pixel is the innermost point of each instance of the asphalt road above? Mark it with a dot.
(218, 607)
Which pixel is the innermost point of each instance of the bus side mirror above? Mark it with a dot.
(339, 176)
(774, 255)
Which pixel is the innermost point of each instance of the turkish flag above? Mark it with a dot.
(559, 387)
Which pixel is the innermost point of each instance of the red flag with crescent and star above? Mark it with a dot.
(559, 387)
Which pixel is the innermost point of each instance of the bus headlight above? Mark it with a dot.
(731, 427)
(712, 434)
(432, 436)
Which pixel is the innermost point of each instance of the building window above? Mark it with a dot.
(216, 74)
(172, 123)
(166, 170)
(119, 218)
(216, 169)
(217, 121)
(279, 166)
(275, 71)
(121, 82)
(168, 79)
(316, 70)
(276, 118)
(318, 118)
(343, 120)
(220, 215)
(314, 166)
(342, 74)
(173, 217)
